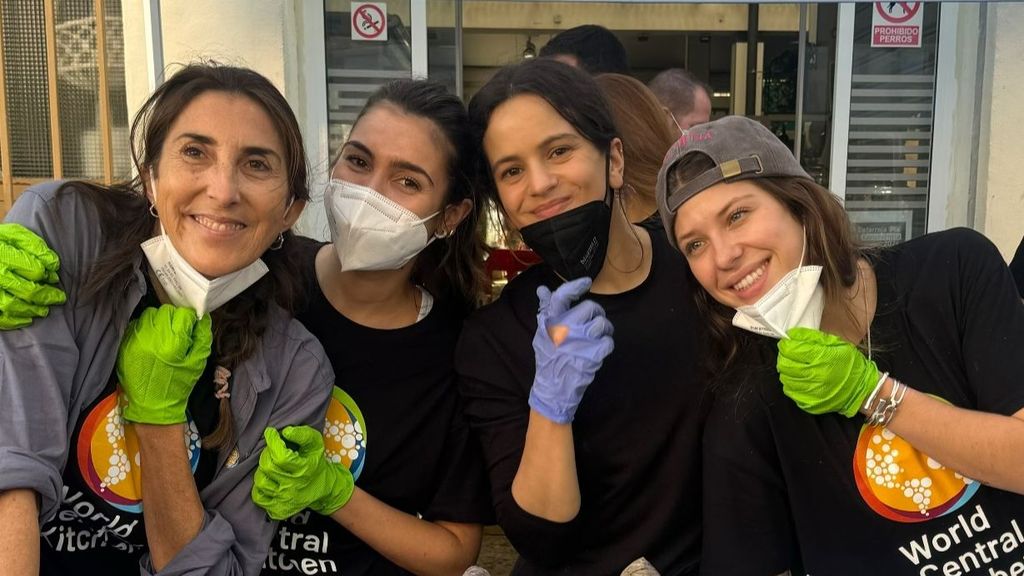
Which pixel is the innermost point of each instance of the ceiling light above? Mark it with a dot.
(530, 51)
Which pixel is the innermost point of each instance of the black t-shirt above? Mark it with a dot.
(856, 499)
(395, 420)
(1017, 268)
(636, 431)
(99, 528)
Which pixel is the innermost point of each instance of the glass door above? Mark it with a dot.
(889, 93)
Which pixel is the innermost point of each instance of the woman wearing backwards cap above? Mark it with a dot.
(868, 414)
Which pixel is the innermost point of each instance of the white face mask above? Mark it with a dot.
(674, 121)
(184, 285)
(371, 232)
(797, 300)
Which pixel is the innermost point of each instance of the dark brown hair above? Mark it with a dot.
(644, 128)
(450, 267)
(831, 243)
(596, 48)
(126, 221)
(570, 91)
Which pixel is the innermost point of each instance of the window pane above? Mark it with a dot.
(78, 90)
(441, 33)
(356, 68)
(116, 91)
(889, 158)
(28, 101)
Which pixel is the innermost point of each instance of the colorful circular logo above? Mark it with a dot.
(345, 432)
(902, 484)
(108, 455)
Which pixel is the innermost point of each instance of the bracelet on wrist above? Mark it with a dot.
(885, 409)
(878, 387)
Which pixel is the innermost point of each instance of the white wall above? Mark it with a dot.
(277, 38)
(1000, 184)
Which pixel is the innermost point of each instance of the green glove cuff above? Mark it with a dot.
(340, 484)
(162, 356)
(822, 373)
(294, 474)
(164, 412)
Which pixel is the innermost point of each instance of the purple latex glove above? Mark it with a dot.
(564, 370)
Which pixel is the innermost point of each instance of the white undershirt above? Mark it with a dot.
(426, 303)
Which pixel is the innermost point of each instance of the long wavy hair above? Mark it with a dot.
(646, 134)
(126, 221)
(831, 243)
(450, 268)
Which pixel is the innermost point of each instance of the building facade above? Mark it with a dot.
(915, 138)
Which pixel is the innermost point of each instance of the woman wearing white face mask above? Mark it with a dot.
(133, 416)
(878, 432)
(386, 298)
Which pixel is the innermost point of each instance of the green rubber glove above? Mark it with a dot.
(162, 355)
(823, 373)
(28, 277)
(294, 475)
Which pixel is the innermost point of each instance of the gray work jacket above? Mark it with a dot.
(52, 370)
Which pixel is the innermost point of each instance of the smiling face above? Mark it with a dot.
(220, 184)
(403, 157)
(739, 241)
(541, 165)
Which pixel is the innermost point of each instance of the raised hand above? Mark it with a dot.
(569, 347)
(292, 478)
(163, 354)
(823, 373)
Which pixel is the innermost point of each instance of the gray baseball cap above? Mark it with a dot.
(741, 148)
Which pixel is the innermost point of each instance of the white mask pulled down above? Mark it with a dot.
(370, 231)
(187, 287)
(796, 301)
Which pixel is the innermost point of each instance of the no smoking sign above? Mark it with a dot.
(370, 21)
(897, 24)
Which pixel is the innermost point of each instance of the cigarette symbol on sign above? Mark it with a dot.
(368, 21)
(897, 12)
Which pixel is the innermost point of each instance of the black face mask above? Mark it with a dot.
(574, 242)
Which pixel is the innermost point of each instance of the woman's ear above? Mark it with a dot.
(146, 177)
(616, 164)
(293, 212)
(453, 215)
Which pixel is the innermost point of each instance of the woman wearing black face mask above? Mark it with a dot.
(592, 451)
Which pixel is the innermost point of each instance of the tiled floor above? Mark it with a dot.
(496, 554)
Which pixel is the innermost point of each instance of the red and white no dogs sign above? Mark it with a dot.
(897, 24)
(370, 21)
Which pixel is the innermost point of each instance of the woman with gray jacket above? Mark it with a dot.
(170, 357)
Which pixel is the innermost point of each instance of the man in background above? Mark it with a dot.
(686, 97)
(590, 47)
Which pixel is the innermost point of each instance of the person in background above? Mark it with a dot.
(592, 453)
(171, 355)
(868, 413)
(590, 47)
(685, 96)
(647, 132)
